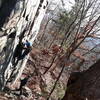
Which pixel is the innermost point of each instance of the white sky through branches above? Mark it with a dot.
(67, 4)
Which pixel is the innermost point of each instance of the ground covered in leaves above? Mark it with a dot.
(39, 84)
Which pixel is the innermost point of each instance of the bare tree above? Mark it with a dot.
(81, 25)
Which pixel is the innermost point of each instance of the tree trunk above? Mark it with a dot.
(24, 18)
(84, 85)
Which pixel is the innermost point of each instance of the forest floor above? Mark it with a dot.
(39, 85)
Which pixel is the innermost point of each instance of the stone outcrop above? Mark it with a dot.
(84, 85)
(23, 19)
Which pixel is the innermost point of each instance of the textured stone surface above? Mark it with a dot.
(84, 85)
(23, 14)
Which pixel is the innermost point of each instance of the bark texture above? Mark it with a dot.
(84, 85)
(23, 18)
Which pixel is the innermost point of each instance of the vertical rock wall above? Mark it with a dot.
(24, 20)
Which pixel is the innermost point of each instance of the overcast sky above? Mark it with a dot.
(67, 3)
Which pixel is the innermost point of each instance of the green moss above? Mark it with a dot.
(60, 90)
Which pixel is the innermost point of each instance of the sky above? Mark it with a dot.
(67, 4)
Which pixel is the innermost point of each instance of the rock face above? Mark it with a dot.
(23, 19)
(8, 5)
(84, 85)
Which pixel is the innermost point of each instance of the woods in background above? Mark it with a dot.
(67, 40)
